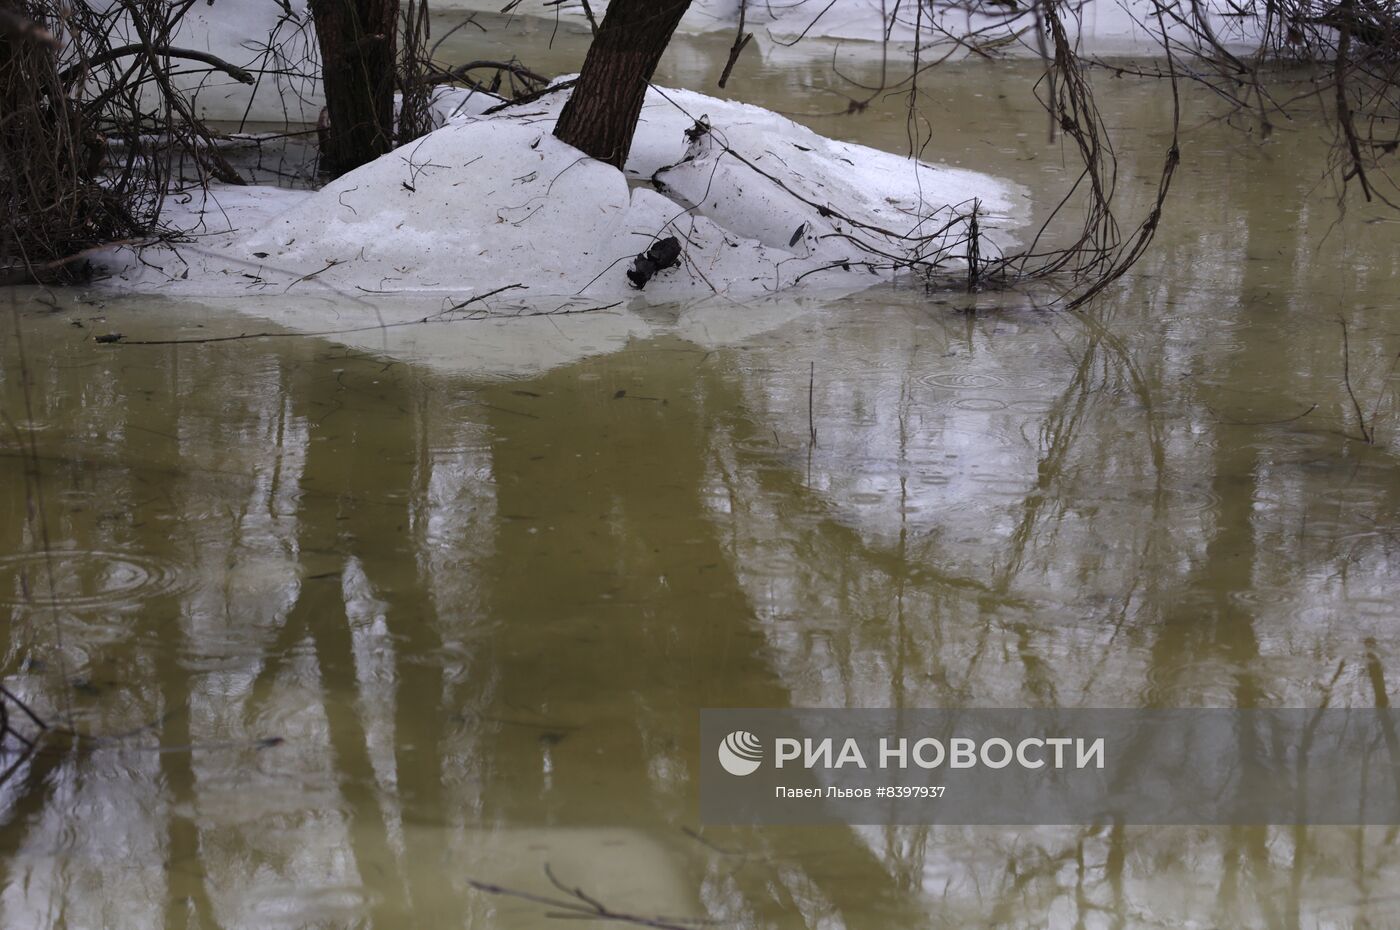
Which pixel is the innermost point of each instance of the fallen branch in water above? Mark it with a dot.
(8, 697)
(1368, 430)
(7, 729)
(581, 905)
(1368, 434)
(1226, 420)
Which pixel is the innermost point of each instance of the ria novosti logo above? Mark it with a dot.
(740, 753)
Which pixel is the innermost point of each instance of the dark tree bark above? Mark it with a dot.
(358, 41)
(602, 112)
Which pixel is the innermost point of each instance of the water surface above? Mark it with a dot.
(347, 626)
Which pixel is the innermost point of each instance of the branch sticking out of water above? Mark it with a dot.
(974, 249)
(741, 39)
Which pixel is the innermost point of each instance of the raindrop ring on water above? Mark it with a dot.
(83, 579)
(961, 380)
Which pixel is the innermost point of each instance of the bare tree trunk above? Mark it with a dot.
(602, 113)
(358, 49)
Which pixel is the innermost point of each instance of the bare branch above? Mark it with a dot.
(741, 39)
(164, 51)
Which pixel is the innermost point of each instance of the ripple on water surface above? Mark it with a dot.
(85, 579)
(980, 404)
(961, 380)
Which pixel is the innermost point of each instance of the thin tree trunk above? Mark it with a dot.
(358, 41)
(602, 112)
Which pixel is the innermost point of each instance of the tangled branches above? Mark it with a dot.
(83, 93)
(1081, 245)
(1273, 60)
(419, 73)
(1100, 254)
(50, 153)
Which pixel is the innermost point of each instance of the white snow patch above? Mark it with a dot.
(451, 103)
(493, 221)
(763, 176)
(486, 204)
(495, 202)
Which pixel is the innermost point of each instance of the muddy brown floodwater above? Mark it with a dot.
(482, 612)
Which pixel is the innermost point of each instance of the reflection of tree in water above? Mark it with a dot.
(618, 623)
(512, 602)
(605, 616)
(127, 663)
(617, 610)
(878, 617)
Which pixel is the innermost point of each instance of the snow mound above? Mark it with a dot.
(763, 176)
(494, 205)
(482, 205)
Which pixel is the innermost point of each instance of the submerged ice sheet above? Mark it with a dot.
(277, 42)
(871, 28)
